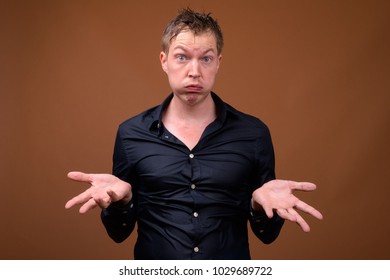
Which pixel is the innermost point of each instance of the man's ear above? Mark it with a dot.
(163, 60)
(219, 61)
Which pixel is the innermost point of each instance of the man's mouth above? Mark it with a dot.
(194, 88)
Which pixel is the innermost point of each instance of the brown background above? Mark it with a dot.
(317, 72)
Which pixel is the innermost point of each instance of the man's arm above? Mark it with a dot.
(265, 228)
(119, 220)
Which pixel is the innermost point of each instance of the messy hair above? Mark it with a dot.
(196, 22)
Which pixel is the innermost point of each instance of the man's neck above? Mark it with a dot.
(202, 112)
(187, 122)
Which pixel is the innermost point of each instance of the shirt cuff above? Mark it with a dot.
(258, 216)
(117, 208)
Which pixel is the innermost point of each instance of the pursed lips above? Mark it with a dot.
(194, 87)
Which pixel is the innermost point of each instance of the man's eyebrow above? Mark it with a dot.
(186, 50)
(180, 48)
(209, 50)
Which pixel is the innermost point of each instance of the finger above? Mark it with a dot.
(268, 211)
(299, 220)
(80, 176)
(286, 215)
(69, 204)
(80, 199)
(113, 195)
(103, 203)
(308, 209)
(303, 186)
(90, 204)
(103, 200)
(117, 196)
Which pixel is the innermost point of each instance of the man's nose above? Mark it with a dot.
(194, 71)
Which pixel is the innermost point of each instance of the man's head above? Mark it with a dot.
(191, 56)
(198, 23)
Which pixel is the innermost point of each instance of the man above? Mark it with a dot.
(193, 171)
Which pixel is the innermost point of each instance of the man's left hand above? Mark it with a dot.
(278, 195)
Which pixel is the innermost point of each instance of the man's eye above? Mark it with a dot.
(181, 57)
(206, 59)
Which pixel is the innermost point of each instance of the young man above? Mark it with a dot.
(193, 171)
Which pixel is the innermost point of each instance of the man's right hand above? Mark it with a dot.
(104, 189)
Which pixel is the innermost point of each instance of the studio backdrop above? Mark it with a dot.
(316, 72)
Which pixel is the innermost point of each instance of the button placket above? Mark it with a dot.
(193, 162)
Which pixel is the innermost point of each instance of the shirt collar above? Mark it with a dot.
(156, 114)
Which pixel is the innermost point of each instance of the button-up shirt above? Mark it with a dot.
(192, 204)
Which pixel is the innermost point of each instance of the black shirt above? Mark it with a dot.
(192, 204)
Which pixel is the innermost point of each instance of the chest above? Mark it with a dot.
(188, 135)
(215, 164)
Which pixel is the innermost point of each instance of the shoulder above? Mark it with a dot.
(231, 116)
(148, 119)
(244, 119)
(141, 121)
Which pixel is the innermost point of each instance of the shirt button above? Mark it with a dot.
(196, 249)
(124, 224)
(196, 214)
(193, 186)
(191, 155)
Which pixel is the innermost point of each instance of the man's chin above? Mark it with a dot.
(193, 98)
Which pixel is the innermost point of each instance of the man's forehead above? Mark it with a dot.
(189, 38)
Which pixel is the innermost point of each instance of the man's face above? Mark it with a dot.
(191, 65)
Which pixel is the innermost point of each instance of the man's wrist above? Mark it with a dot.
(121, 205)
(256, 209)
